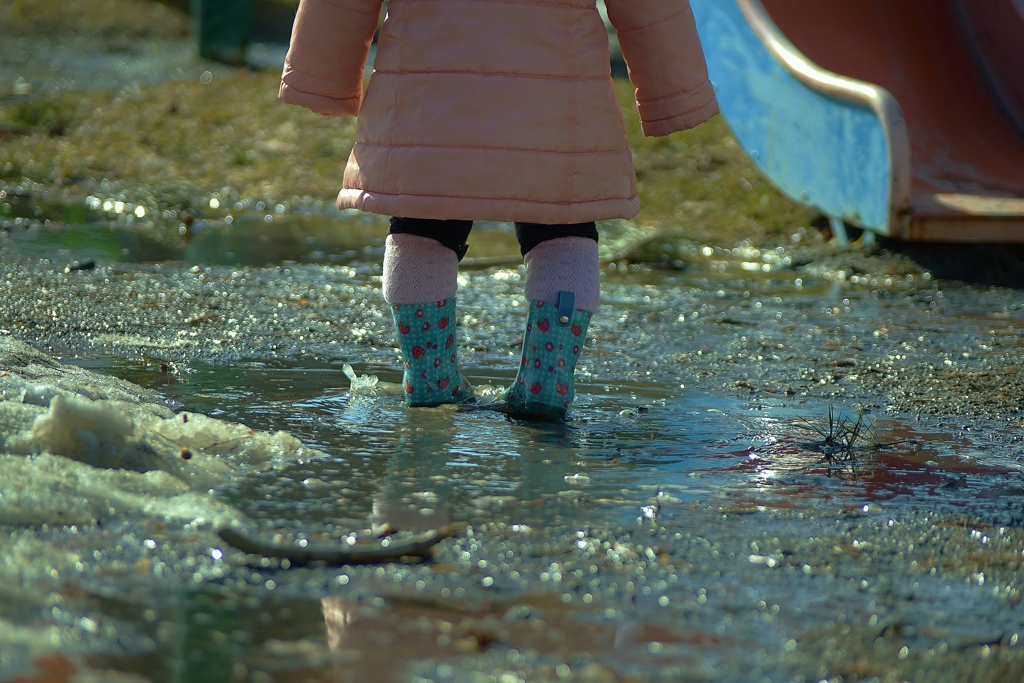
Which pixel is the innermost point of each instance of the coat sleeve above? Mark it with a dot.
(331, 39)
(666, 64)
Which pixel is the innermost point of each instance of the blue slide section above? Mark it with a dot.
(821, 151)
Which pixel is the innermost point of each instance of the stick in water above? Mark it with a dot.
(386, 550)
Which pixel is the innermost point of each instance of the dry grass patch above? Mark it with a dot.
(104, 18)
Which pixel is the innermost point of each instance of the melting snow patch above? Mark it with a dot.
(76, 446)
(50, 489)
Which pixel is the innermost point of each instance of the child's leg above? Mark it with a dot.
(421, 261)
(563, 288)
(564, 264)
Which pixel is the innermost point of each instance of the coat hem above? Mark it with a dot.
(483, 209)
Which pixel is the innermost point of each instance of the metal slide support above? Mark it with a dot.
(839, 230)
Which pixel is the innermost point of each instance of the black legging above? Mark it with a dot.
(453, 234)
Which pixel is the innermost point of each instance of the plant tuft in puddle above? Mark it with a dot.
(842, 438)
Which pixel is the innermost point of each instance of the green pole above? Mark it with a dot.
(223, 28)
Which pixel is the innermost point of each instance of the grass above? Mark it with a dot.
(230, 132)
(102, 18)
(233, 133)
(841, 437)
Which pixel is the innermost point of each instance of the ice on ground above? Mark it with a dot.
(79, 450)
(51, 489)
(31, 377)
(77, 446)
(100, 433)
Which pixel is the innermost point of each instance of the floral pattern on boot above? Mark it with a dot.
(545, 386)
(426, 336)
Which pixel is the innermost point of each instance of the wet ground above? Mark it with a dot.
(689, 522)
(697, 518)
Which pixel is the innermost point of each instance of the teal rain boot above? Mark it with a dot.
(426, 336)
(544, 386)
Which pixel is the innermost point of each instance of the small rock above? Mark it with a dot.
(79, 266)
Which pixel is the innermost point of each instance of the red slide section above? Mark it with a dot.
(956, 68)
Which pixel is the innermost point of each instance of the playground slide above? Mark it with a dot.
(902, 118)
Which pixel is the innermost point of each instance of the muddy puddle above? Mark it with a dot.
(697, 518)
(676, 445)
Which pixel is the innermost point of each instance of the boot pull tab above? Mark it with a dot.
(566, 304)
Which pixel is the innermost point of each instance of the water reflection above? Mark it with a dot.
(410, 469)
(251, 239)
(413, 493)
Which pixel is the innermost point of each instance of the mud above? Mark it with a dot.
(685, 524)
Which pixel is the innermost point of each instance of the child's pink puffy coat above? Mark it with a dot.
(496, 109)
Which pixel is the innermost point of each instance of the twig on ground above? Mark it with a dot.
(392, 548)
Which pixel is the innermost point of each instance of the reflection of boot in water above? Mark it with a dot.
(414, 512)
(413, 495)
(338, 620)
(543, 478)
